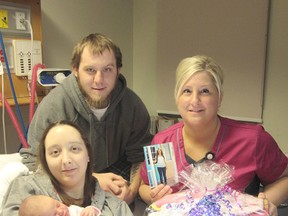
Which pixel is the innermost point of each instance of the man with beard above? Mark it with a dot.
(95, 97)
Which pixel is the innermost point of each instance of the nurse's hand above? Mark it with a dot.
(269, 207)
(160, 191)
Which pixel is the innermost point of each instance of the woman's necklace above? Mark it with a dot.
(209, 155)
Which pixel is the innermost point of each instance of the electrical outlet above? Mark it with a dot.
(20, 20)
(15, 19)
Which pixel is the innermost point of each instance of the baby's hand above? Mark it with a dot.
(62, 210)
(90, 211)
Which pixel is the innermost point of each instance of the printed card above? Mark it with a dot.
(161, 164)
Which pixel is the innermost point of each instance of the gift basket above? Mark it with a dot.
(205, 193)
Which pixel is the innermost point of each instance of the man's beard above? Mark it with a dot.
(98, 102)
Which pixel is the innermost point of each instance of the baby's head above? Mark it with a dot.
(40, 205)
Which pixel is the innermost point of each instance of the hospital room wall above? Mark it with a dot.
(275, 102)
(132, 25)
(64, 23)
(275, 115)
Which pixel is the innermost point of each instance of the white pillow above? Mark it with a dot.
(7, 158)
(11, 167)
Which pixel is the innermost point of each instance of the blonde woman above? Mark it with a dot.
(250, 149)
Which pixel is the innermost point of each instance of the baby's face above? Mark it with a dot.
(54, 208)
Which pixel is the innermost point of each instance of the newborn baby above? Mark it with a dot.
(40, 205)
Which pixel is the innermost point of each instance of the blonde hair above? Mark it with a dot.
(189, 66)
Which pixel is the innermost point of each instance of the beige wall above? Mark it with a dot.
(275, 119)
(276, 86)
(131, 24)
(144, 52)
(66, 22)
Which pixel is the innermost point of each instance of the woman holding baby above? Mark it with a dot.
(65, 174)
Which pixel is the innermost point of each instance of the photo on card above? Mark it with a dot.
(161, 164)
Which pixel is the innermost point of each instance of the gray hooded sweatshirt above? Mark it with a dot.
(119, 135)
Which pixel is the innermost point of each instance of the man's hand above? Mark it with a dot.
(126, 193)
(112, 183)
(117, 185)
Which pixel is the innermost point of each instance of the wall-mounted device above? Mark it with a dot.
(9, 54)
(24, 57)
(52, 76)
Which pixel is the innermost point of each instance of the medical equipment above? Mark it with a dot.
(46, 77)
(52, 76)
(25, 54)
